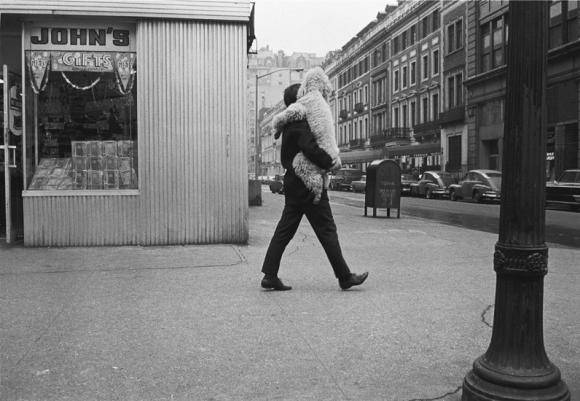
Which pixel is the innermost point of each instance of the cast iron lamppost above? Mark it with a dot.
(257, 127)
(515, 366)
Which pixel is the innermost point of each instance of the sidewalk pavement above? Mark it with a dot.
(191, 322)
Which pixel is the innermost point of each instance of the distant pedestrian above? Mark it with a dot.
(298, 201)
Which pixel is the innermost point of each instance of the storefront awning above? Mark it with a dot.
(361, 156)
(423, 149)
(215, 10)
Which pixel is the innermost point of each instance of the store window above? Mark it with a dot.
(83, 119)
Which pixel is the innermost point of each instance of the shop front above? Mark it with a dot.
(131, 122)
(417, 158)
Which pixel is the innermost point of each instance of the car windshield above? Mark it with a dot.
(495, 179)
(407, 177)
(570, 176)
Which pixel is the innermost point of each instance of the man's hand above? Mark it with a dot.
(336, 164)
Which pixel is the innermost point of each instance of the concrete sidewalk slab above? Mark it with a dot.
(191, 323)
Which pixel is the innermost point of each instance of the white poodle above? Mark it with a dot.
(312, 104)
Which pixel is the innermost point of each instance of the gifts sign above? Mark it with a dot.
(124, 66)
(39, 63)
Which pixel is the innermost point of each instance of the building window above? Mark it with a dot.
(405, 77)
(425, 69)
(86, 119)
(396, 46)
(435, 103)
(563, 22)
(396, 117)
(455, 36)
(424, 27)
(404, 44)
(436, 20)
(413, 34)
(396, 81)
(404, 117)
(454, 90)
(425, 109)
(459, 89)
(413, 72)
(413, 113)
(384, 52)
(494, 40)
(451, 92)
(435, 62)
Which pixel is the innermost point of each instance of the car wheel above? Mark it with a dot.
(452, 196)
(428, 194)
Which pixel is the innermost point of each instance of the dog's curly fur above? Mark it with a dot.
(312, 105)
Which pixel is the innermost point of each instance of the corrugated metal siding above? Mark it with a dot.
(198, 10)
(81, 220)
(192, 149)
(191, 118)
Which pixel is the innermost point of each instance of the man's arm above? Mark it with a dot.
(308, 146)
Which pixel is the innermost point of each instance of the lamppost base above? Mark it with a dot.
(477, 389)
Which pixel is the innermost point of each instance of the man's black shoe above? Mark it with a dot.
(274, 283)
(354, 279)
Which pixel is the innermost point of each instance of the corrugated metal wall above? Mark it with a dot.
(193, 173)
(78, 220)
(192, 149)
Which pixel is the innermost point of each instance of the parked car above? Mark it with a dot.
(406, 181)
(277, 184)
(565, 190)
(479, 185)
(433, 184)
(359, 185)
(342, 179)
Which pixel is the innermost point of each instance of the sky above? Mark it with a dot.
(312, 26)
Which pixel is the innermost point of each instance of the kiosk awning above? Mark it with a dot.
(414, 150)
(361, 156)
(215, 10)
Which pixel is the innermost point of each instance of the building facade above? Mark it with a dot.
(453, 96)
(436, 74)
(388, 89)
(487, 45)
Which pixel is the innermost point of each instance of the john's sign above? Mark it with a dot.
(82, 37)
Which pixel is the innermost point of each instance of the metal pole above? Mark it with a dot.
(515, 366)
(257, 150)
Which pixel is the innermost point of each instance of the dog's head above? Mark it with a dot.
(316, 80)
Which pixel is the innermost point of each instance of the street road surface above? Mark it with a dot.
(562, 226)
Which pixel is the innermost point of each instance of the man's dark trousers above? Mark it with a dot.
(321, 220)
